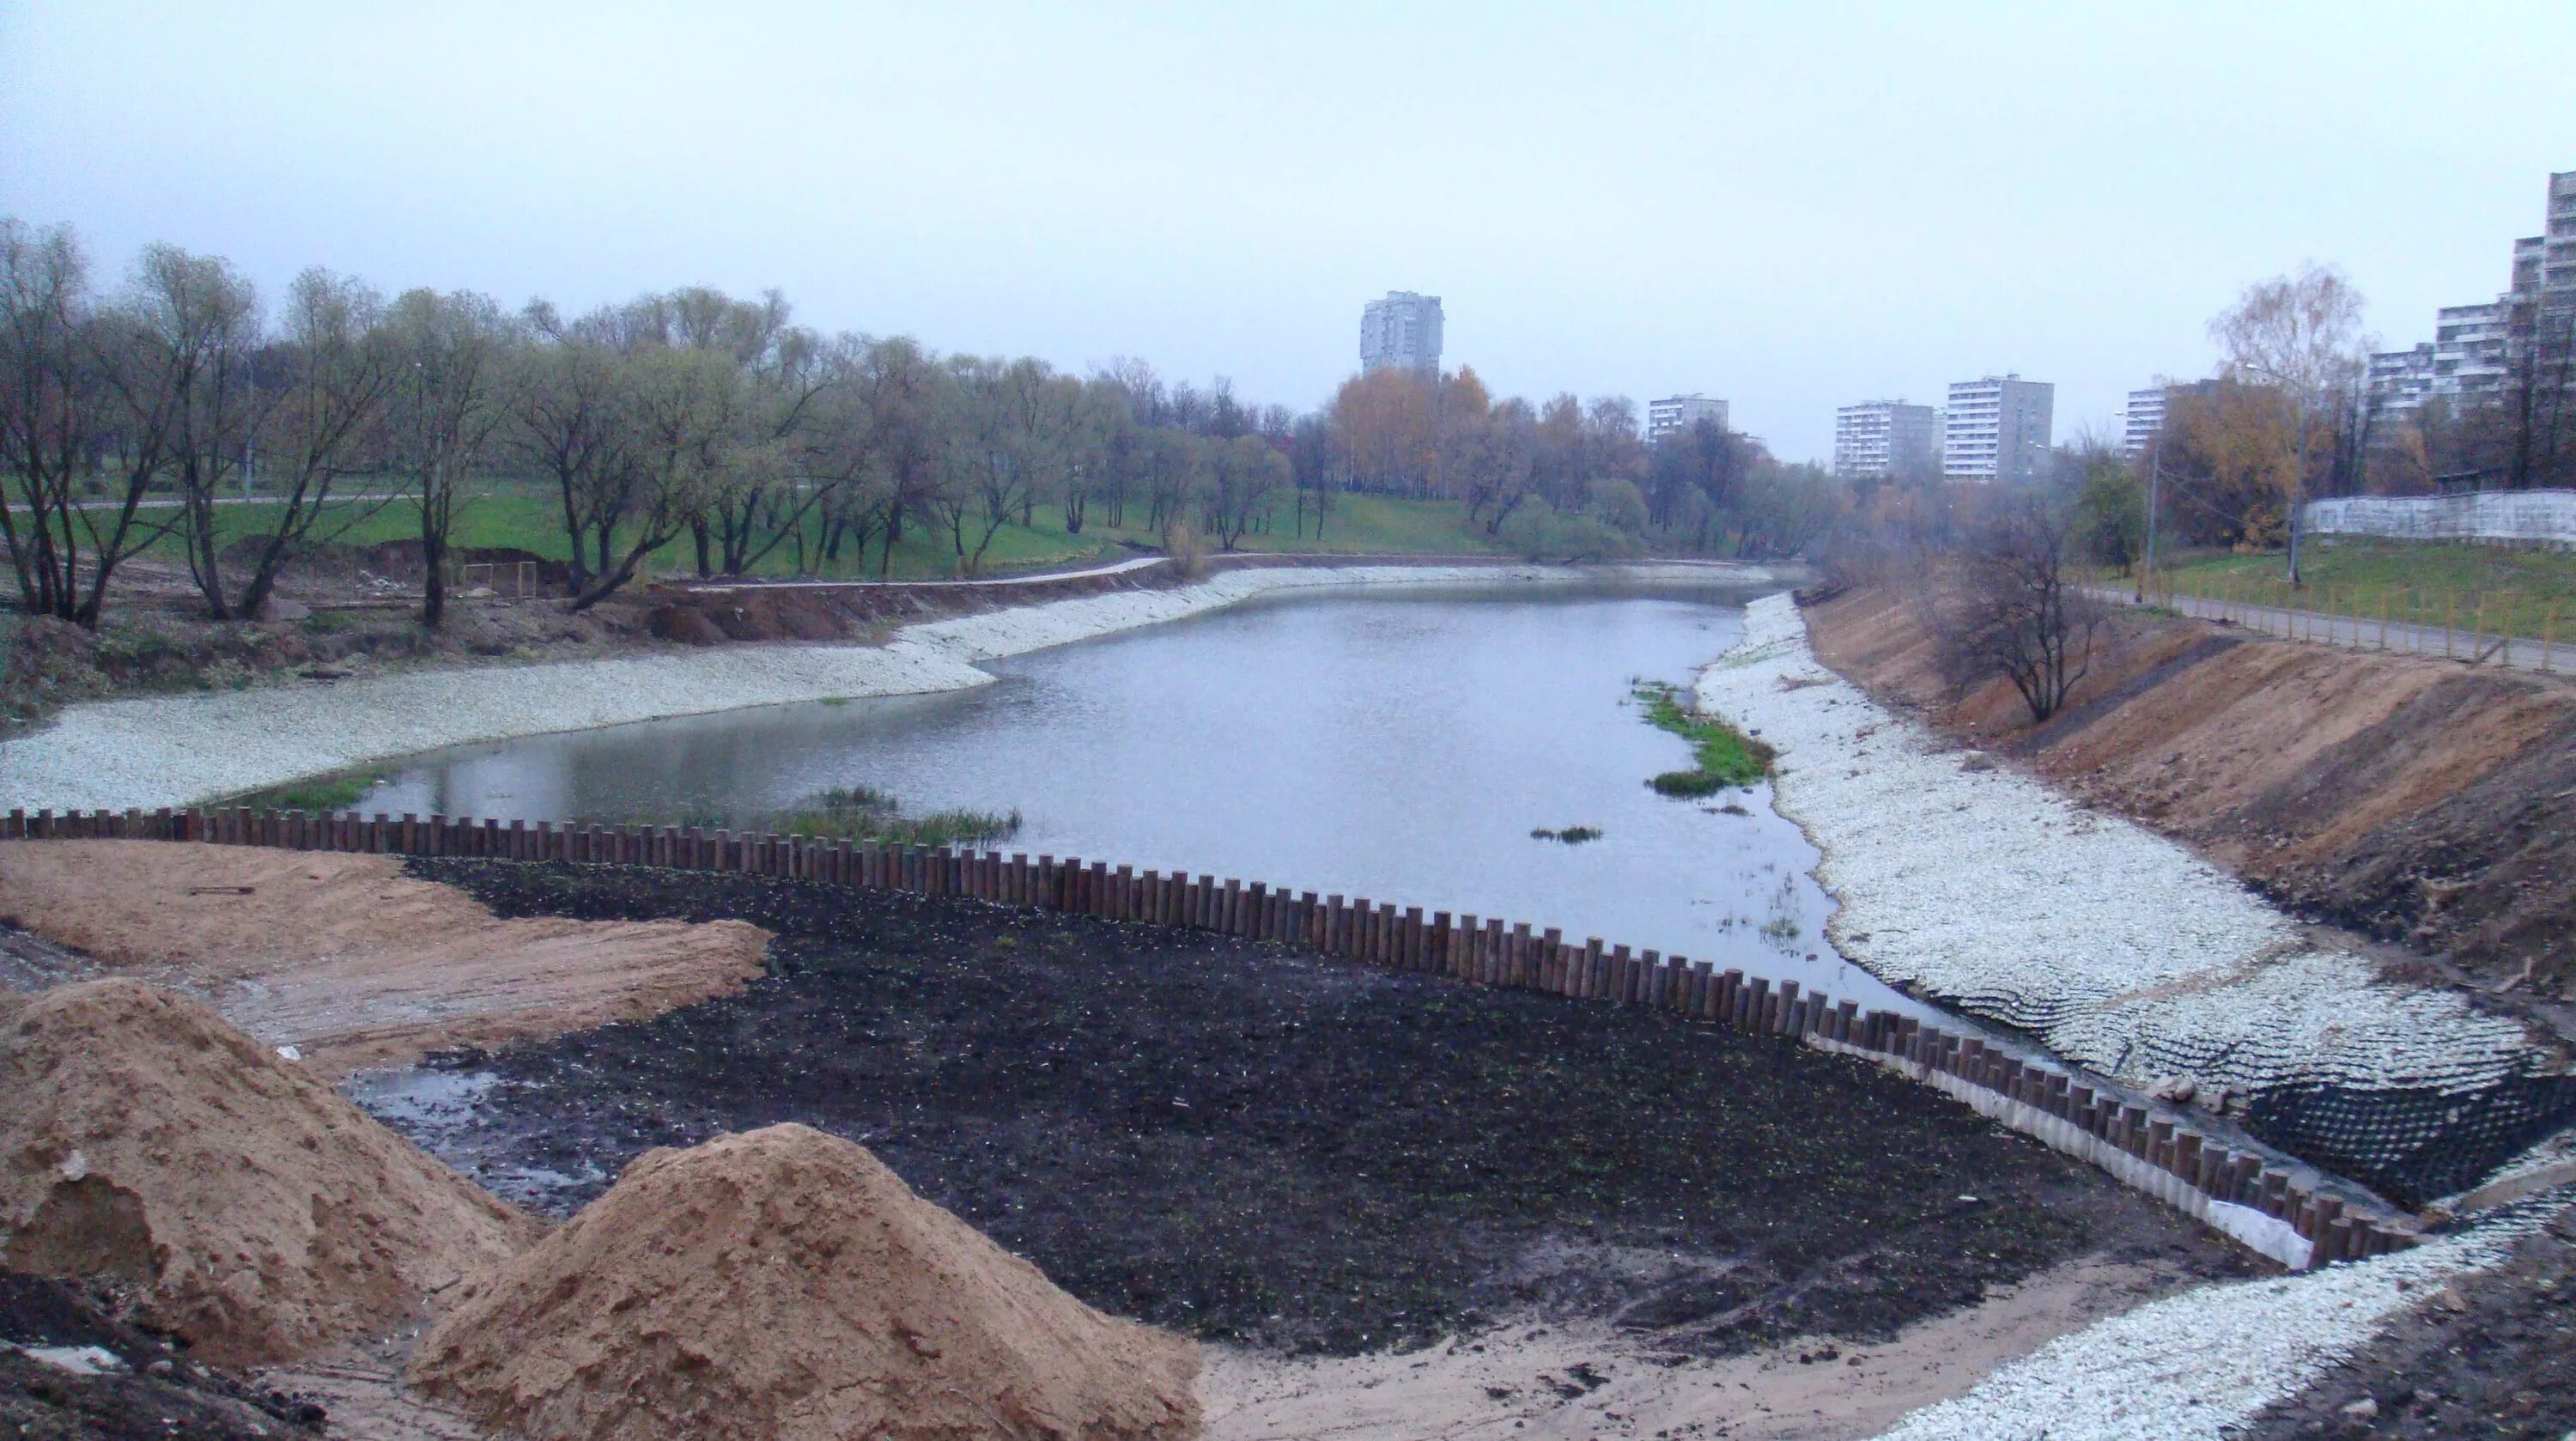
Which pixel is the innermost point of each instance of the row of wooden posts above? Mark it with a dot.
(1464, 947)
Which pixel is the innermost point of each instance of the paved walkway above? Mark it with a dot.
(2369, 633)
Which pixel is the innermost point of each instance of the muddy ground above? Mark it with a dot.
(2417, 801)
(1304, 1156)
(142, 1387)
(2493, 1354)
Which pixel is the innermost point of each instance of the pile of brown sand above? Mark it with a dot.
(349, 959)
(261, 1215)
(784, 1284)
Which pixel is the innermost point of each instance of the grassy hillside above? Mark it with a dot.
(527, 518)
(2493, 588)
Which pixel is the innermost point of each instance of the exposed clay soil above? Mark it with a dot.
(785, 1286)
(256, 1213)
(150, 1390)
(2414, 800)
(1249, 1145)
(348, 959)
(2493, 1354)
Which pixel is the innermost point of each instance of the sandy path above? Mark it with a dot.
(348, 959)
(1535, 1381)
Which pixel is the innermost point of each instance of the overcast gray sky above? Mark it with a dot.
(1793, 206)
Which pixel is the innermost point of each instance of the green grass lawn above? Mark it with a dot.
(526, 517)
(2491, 589)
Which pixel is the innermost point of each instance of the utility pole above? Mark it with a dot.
(2155, 487)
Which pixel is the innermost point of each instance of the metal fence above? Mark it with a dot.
(2518, 629)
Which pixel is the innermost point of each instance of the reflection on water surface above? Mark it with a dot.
(1397, 744)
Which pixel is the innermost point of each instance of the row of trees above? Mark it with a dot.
(717, 425)
(1563, 476)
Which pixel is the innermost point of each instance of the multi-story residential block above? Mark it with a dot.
(2401, 380)
(1401, 330)
(2470, 349)
(1997, 428)
(2141, 418)
(2476, 349)
(2558, 245)
(1676, 413)
(1885, 438)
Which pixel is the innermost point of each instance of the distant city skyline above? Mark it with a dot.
(1213, 191)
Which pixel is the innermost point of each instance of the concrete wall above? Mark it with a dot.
(2531, 517)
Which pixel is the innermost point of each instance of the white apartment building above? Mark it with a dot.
(2141, 419)
(1401, 330)
(1676, 413)
(1997, 428)
(2475, 347)
(2469, 348)
(2401, 380)
(1885, 438)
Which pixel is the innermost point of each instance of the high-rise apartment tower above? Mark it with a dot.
(1676, 413)
(1885, 438)
(1401, 330)
(1997, 428)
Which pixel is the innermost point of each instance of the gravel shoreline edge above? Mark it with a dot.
(187, 750)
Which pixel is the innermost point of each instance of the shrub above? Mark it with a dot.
(1183, 547)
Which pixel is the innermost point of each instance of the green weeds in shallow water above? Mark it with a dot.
(314, 793)
(1571, 835)
(855, 813)
(862, 813)
(1725, 755)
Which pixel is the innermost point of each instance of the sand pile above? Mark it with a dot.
(784, 1284)
(351, 960)
(263, 1215)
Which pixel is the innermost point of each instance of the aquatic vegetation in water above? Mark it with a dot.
(862, 813)
(1571, 835)
(1725, 756)
(337, 792)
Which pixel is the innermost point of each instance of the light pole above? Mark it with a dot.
(2155, 484)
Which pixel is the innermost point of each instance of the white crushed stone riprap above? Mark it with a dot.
(2194, 1365)
(185, 750)
(2118, 948)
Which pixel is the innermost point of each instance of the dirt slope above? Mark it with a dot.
(350, 960)
(2414, 799)
(262, 1215)
(784, 1286)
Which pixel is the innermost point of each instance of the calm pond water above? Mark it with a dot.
(1398, 744)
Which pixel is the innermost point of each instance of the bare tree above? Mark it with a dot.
(2299, 335)
(66, 430)
(2011, 609)
(320, 422)
(1242, 474)
(449, 396)
(190, 350)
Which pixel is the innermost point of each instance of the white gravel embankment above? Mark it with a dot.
(175, 751)
(2192, 1366)
(2119, 948)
